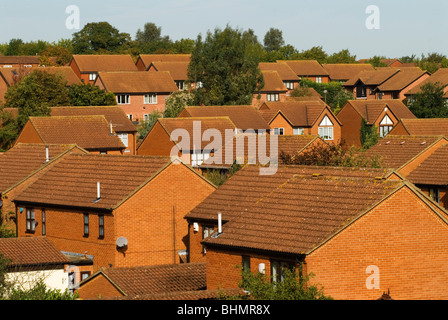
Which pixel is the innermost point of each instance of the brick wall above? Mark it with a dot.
(98, 287)
(351, 126)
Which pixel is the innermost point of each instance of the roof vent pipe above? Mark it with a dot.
(98, 190)
(47, 154)
(219, 223)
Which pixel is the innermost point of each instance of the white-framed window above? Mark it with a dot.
(180, 84)
(30, 220)
(92, 76)
(386, 126)
(318, 79)
(199, 84)
(124, 138)
(298, 131)
(197, 158)
(272, 96)
(279, 131)
(326, 129)
(289, 85)
(123, 99)
(150, 98)
(7, 66)
(129, 116)
(434, 193)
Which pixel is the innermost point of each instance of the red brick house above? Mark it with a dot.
(308, 69)
(138, 93)
(20, 166)
(8, 62)
(274, 89)
(384, 114)
(363, 85)
(421, 127)
(165, 138)
(357, 247)
(144, 60)
(342, 72)
(88, 66)
(313, 117)
(92, 133)
(124, 211)
(122, 126)
(440, 76)
(177, 69)
(290, 79)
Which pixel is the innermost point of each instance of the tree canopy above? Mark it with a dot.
(429, 103)
(90, 95)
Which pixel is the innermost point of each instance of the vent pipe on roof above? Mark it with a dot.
(219, 223)
(47, 154)
(98, 190)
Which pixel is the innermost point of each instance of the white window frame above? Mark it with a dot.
(318, 79)
(150, 98)
(298, 131)
(197, 158)
(272, 96)
(124, 138)
(325, 130)
(180, 84)
(279, 131)
(30, 220)
(127, 98)
(92, 76)
(289, 85)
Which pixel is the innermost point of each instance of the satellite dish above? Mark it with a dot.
(122, 242)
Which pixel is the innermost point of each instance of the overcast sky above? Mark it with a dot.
(405, 27)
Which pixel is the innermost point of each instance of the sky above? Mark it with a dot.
(402, 28)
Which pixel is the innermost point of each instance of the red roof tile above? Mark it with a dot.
(433, 170)
(104, 62)
(137, 82)
(345, 71)
(306, 67)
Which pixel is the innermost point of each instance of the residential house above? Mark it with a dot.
(308, 69)
(421, 127)
(138, 93)
(88, 66)
(354, 246)
(9, 62)
(342, 72)
(121, 125)
(274, 89)
(144, 282)
(35, 259)
(313, 117)
(92, 133)
(440, 77)
(144, 60)
(177, 69)
(397, 86)
(244, 117)
(384, 114)
(290, 79)
(123, 211)
(20, 166)
(188, 138)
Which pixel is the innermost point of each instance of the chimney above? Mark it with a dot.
(98, 190)
(111, 130)
(47, 154)
(219, 223)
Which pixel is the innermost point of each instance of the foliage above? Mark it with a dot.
(218, 177)
(429, 103)
(150, 40)
(99, 37)
(60, 55)
(315, 53)
(376, 61)
(146, 125)
(90, 95)
(226, 64)
(292, 287)
(40, 292)
(342, 56)
(273, 40)
(4, 283)
(176, 102)
(369, 135)
(333, 155)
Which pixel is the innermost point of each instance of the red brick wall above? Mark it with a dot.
(351, 126)
(156, 143)
(402, 237)
(98, 287)
(28, 135)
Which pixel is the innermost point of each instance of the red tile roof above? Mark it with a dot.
(306, 67)
(440, 76)
(137, 82)
(80, 173)
(401, 80)
(88, 132)
(147, 59)
(31, 251)
(345, 71)
(372, 78)
(104, 62)
(283, 70)
(272, 82)
(177, 69)
(19, 59)
(433, 170)
(425, 127)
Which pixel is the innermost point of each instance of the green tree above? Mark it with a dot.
(429, 103)
(342, 56)
(176, 102)
(376, 61)
(14, 47)
(146, 125)
(99, 37)
(40, 291)
(273, 40)
(150, 39)
(315, 53)
(183, 46)
(5, 285)
(369, 135)
(226, 64)
(90, 95)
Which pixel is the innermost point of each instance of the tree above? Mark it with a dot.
(90, 95)
(59, 54)
(226, 64)
(99, 37)
(150, 39)
(40, 291)
(146, 125)
(376, 61)
(429, 103)
(176, 102)
(342, 56)
(369, 135)
(273, 40)
(13, 48)
(315, 53)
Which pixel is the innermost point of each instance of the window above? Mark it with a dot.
(123, 99)
(272, 96)
(199, 84)
(206, 232)
(386, 126)
(129, 116)
(30, 220)
(101, 226)
(124, 138)
(150, 99)
(279, 131)
(298, 131)
(246, 263)
(198, 157)
(278, 270)
(85, 275)
(361, 91)
(289, 85)
(318, 79)
(326, 129)
(434, 193)
(86, 224)
(380, 95)
(44, 225)
(180, 84)
(92, 76)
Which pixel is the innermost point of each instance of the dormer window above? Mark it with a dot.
(361, 91)
(326, 129)
(386, 126)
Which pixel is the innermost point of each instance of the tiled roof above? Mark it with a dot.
(272, 82)
(149, 58)
(244, 117)
(66, 72)
(114, 114)
(345, 71)
(298, 113)
(80, 173)
(372, 78)
(177, 69)
(426, 126)
(159, 279)
(31, 251)
(185, 295)
(440, 76)
(137, 82)
(243, 153)
(396, 151)
(301, 210)
(88, 132)
(283, 70)
(104, 62)
(401, 80)
(19, 59)
(306, 67)
(247, 186)
(191, 125)
(372, 109)
(23, 159)
(433, 170)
